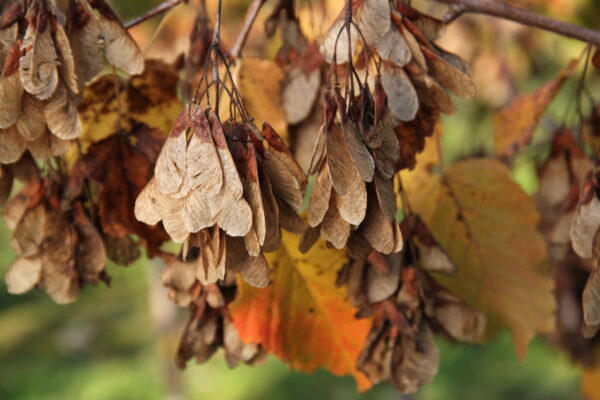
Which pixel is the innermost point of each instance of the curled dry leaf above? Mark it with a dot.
(122, 165)
(516, 123)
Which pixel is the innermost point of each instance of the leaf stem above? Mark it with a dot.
(161, 8)
(520, 15)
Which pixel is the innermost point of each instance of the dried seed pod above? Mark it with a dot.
(57, 251)
(210, 328)
(221, 183)
(351, 193)
(45, 63)
(414, 70)
(407, 306)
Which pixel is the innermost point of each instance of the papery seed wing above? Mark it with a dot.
(374, 20)
(362, 159)
(171, 165)
(12, 145)
(38, 66)
(11, 89)
(61, 115)
(319, 200)
(402, 97)
(352, 206)
(336, 43)
(31, 123)
(449, 76)
(86, 40)
(341, 167)
(23, 274)
(203, 165)
(121, 50)
(286, 175)
(393, 47)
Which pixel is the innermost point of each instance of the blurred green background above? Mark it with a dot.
(119, 342)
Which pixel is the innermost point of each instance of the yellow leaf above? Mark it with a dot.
(487, 225)
(419, 178)
(302, 317)
(516, 123)
(260, 83)
(111, 102)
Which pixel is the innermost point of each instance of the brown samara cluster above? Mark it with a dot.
(222, 190)
(48, 50)
(58, 248)
(209, 325)
(407, 307)
(389, 85)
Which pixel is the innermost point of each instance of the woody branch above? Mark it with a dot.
(161, 8)
(520, 15)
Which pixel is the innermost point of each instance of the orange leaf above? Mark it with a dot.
(516, 123)
(302, 317)
(590, 380)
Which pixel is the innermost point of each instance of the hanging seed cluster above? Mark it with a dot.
(209, 326)
(57, 251)
(219, 188)
(48, 53)
(407, 306)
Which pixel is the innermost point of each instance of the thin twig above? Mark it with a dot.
(251, 15)
(161, 8)
(216, 44)
(525, 17)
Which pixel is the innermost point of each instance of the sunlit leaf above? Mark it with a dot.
(487, 225)
(302, 317)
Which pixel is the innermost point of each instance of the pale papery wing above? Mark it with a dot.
(341, 167)
(319, 199)
(204, 171)
(402, 97)
(12, 145)
(171, 166)
(11, 89)
(23, 274)
(31, 123)
(38, 65)
(352, 206)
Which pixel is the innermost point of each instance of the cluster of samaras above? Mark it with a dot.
(48, 51)
(219, 188)
(359, 151)
(57, 251)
